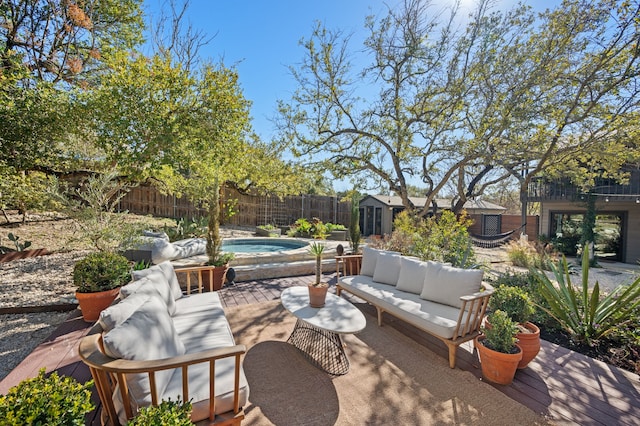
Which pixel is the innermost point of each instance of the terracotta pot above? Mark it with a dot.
(317, 295)
(497, 367)
(530, 344)
(219, 276)
(91, 304)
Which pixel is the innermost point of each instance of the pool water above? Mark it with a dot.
(258, 245)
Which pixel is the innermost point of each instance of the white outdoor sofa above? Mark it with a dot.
(156, 343)
(446, 302)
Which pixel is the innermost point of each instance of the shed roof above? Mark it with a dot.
(442, 203)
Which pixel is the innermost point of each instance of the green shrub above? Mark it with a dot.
(42, 400)
(527, 282)
(167, 413)
(334, 227)
(300, 228)
(101, 271)
(443, 238)
(501, 336)
(583, 313)
(514, 301)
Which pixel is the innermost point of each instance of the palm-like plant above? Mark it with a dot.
(317, 249)
(582, 312)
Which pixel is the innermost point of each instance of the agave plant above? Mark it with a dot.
(317, 249)
(583, 312)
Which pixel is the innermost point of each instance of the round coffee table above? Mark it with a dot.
(317, 331)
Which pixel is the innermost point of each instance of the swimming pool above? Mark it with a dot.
(261, 245)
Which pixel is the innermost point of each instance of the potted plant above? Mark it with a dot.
(167, 413)
(317, 290)
(498, 350)
(98, 278)
(518, 305)
(46, 400)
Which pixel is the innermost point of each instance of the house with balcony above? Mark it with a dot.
(563, 206)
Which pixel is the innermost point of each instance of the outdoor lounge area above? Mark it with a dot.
(398, 374)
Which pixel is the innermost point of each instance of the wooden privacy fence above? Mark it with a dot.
(246, 210)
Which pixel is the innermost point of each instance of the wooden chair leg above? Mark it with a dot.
(453, 348)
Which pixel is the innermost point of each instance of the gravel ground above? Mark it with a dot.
(46, 280)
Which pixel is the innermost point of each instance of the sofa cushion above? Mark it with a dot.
(119, 312)
(169, 274)
(449, 284)
(153, 282)
(369, 259)
(413, 273)
(387, 268)
(433, 317)
(148, 334)
(201, 323)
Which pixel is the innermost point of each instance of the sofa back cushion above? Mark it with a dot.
(118, 313)
(448, 284)
(148, 334)
(369, 260)
(387, 268)
(154, 282)
(413, 273)
(166, 268)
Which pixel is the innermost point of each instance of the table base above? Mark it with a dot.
(322, 348)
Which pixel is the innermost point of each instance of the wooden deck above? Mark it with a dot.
(565, 386)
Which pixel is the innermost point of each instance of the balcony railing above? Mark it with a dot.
(563, 189)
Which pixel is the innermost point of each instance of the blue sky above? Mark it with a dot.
(261, 39)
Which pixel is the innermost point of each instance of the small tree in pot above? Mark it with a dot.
(497, 348)
(317, 290)
(98, 278)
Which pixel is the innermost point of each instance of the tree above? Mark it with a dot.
(188, 129)
(512, 95)
(64, 41)
(48, 51)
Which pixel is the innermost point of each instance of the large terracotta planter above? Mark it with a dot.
(219, 276)
(530, 344)
(91, 304)
(497, 367)
(317, 295)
